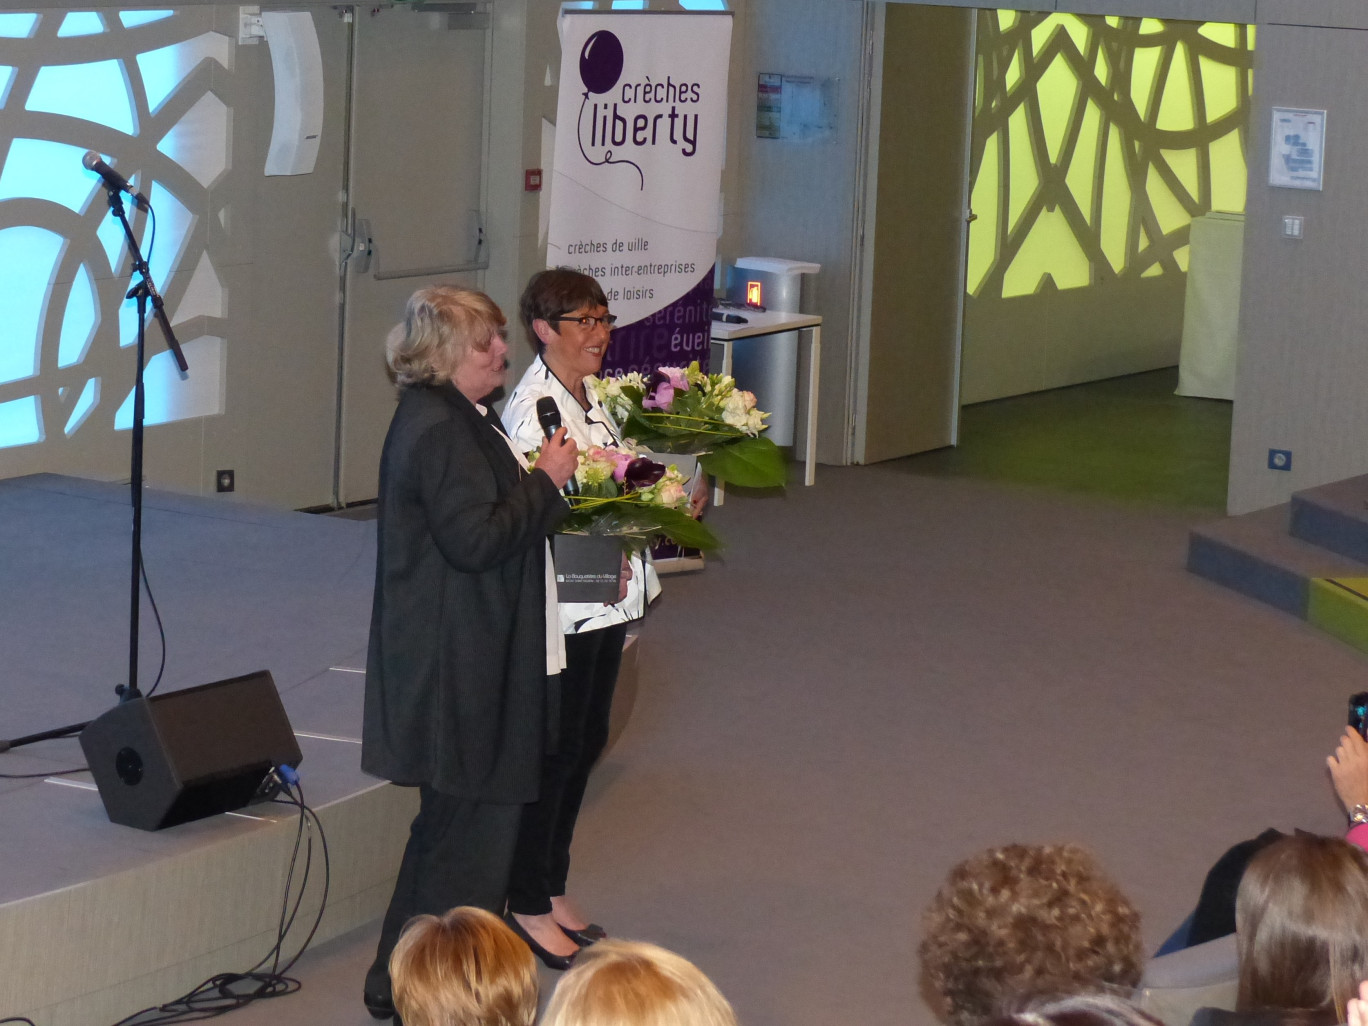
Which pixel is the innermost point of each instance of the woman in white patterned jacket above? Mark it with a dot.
(566, 314)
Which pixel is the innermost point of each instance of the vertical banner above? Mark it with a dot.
(640, 136)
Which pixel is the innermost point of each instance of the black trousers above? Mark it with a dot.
(458, 853)
(541, 860)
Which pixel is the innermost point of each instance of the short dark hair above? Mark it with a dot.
(555, 292)
(1075, 1010)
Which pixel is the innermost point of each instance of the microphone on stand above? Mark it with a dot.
(112, 179)
(548, 416)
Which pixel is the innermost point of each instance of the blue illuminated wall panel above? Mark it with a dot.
(136, 86)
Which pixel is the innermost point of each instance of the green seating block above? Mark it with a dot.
(1339, 606)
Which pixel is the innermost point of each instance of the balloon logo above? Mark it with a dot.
(600, 63)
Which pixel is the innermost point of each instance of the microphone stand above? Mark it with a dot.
(144, 291)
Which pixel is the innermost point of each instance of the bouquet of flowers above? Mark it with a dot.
(632, 498)
(683, 410)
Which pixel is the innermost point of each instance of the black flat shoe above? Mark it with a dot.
(377, 995)
(380, 1006)
(589, 935)
(560, 963)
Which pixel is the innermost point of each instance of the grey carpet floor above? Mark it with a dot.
(887, 672)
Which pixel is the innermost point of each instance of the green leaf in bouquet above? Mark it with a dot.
(637, 521)
(656, 422)
(692, 404)
(749, 463)
(684, 530)
(672, 444)
(606, 489)
(678, 433)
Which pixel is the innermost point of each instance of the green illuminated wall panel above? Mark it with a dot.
(1096, 141)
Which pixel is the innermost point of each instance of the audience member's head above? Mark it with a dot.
(1023, 920)
(628, 983)
(1301, 924)
(465, 968)
(1078, 1010)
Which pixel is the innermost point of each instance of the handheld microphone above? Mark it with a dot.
(112, 179)
(548, 416)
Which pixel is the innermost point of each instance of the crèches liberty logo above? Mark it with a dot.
(618, 120)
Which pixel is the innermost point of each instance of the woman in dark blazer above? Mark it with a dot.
(457, 690)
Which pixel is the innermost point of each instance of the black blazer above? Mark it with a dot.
(456, 686)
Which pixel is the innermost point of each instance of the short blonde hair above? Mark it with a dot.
(465, 968)
(441, 325)
(629, 983)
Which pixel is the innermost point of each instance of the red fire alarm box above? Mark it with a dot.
(532, 177)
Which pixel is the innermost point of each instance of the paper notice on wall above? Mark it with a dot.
(1297, 151)
(640, 138)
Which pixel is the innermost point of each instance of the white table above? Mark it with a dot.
(774, 322)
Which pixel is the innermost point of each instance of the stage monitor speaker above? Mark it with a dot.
(188, 754)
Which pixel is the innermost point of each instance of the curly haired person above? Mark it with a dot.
(1024, 920)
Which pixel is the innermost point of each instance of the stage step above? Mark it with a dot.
(1255, 555)
(1335, 517)
(1308, 557)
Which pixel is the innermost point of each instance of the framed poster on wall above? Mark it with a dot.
(1296, 149)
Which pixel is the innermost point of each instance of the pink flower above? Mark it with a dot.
(617, 457)
(662, 386)
(678, 377)
(661, 390)
(672, 494)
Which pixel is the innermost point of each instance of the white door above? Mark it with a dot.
(419, 89)
(914, 260)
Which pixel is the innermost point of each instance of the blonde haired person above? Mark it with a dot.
(630, 983)
(464, 968)
(461, 643)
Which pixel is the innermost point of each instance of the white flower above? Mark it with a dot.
(735, 412)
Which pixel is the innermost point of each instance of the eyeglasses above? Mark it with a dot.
(607, 320)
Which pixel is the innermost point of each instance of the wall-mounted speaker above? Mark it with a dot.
(188, 754)
(297, 65)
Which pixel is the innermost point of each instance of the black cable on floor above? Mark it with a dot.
(39, 776)
(227, 992)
